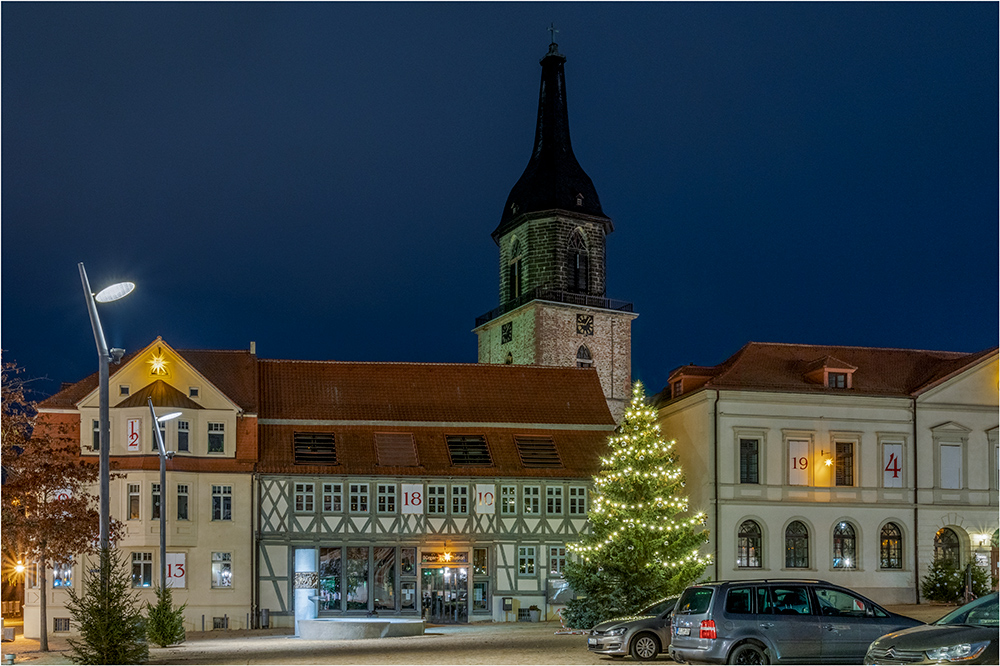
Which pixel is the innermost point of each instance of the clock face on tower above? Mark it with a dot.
(585, 324)
(506, 332)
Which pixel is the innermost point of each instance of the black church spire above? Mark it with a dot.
(553, 178)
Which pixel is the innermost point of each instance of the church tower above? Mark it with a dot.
(553, 306)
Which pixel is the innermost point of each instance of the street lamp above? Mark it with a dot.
(112, 293)
(164, 455)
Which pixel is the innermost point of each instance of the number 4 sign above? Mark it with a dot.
(892, 466)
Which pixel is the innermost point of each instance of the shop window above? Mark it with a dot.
(384, 582)
(357, 578)
(329, 579)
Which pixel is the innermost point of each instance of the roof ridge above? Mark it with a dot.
(904, 349)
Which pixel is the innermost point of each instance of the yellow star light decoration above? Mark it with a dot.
(157, 364)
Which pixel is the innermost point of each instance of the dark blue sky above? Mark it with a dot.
(323, 178)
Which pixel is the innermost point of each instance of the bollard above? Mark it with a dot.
(9, 658)
(265, 618)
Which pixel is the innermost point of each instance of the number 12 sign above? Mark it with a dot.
(133, 434)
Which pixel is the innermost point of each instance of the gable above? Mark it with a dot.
(976, 385)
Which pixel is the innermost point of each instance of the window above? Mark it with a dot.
(749, 460)
(577, 501)
(514, 273)
(183, 436)
(951, 466)
(384, 578)
(836, 380)
(142, 569)
(155, 488)
(222, 502)
(946, 546)
(537, 452)
(162, 427)
(790, 600)
(330, 564)
(357, 578)
(845, 464)
(333, 496)
(460, 499)
(479, 562)
(678, 388)
(891, 547)
(526, 561)
(844, 554)
(748, 554)
(532, 500)
(579, 260)
(469, 451)
(96, 445)
(359, 497)
(222, 569)
(133, 501)
(193, 392)
(216, 437)
(508, 500)
(304, 497)
(62, 574)
(796, 546)
(583, 357)
(481, 595)
(395, 449)
(60, 624)
(436, 499)
(557, 559)
(840, 603)
(387, 498)
(123, 390)
(553, 500)
(182, 502)
(314, 448)
(739, 600)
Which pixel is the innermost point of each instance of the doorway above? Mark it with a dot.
(445, 594)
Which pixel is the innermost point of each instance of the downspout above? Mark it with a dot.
(916, 508)
(255, 555)
(715, 484)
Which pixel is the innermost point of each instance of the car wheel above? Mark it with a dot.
(748, 653)
(645, 647)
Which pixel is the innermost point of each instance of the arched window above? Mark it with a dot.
(891, 547)
(796, 546)
(514, 270)
(579, 263)
(748, 554)
(844, 551)
(583, 358)
(946, 546)
(509, 360)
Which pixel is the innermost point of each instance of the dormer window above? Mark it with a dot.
(830, 372)
(678, 388)
(836, 380)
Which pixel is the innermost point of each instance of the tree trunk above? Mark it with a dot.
(43, 620)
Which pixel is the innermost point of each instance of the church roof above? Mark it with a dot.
(553, 179)
(761, 366)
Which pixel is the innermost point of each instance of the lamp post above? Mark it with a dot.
(112, 293)
(164, 456)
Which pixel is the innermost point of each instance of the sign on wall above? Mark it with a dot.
(798, 463)
(176, 570)
(413, 498)
(486, 495)
(133, 434)
(892, 466)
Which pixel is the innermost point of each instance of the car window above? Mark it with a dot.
(695, 600)
(790, 600)
(982, 612)
(839, 603)
(659, 607)
(763, 600)
(739, 600)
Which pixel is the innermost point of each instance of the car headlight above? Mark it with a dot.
(617, 631)
(960, 652)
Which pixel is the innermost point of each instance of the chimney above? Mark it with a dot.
(253, 347)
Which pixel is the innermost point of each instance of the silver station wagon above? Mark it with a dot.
(643, 636)
(777, 622)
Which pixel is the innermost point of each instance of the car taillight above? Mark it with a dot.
(707, 629)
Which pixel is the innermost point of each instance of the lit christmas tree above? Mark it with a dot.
(639, 548)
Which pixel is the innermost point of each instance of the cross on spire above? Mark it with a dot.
(552, 31)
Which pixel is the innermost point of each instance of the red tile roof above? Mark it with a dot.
(880, 371)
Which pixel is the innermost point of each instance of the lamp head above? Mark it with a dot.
(114, 292)
(169, 455)
(168, 417)
(116, 354)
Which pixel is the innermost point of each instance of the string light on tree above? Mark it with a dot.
(640, 547)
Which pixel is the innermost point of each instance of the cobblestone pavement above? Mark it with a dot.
(474, 645)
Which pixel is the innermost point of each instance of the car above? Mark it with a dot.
(643, 636)
(967, 635)
(777, 622)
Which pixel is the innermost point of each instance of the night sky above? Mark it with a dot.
(323, 178)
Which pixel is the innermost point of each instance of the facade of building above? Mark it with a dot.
(553, 306)
(854, 465)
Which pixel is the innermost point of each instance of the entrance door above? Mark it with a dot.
(445, 593)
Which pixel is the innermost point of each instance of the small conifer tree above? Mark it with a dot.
(946, 582)
(112, 629)
(164, 623)
(638, 549)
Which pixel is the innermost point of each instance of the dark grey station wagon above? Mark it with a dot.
(777, 622)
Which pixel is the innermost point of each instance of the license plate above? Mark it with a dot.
(591, 641)
(683, 631)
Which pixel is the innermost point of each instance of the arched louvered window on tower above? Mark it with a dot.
(579, 263)
(583, 357)
(515, 270)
